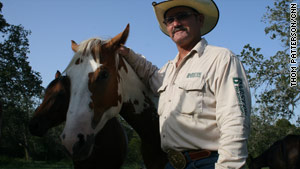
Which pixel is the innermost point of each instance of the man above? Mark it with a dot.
(204, 98)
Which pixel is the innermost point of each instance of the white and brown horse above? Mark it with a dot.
(102, 86)
(111, 142)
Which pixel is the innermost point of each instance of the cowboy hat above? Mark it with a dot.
(206, 7)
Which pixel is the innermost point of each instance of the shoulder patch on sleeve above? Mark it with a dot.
(240, 93)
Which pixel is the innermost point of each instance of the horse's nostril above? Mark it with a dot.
(81, 139)
(63, 136)
(79, 146)
(82, 148)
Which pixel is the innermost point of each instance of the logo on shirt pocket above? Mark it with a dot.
(194, 75)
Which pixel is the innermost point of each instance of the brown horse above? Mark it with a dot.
(110, 144)
(283, 154)
(103, 86)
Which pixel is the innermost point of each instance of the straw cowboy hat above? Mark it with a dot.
(206, 7)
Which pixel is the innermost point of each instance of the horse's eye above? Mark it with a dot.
(102, 75)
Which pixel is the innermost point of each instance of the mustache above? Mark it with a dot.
(178, 28)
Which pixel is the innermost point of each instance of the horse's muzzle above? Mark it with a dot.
(82, 149)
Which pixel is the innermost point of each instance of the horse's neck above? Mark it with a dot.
(139, 105)
(134, 90)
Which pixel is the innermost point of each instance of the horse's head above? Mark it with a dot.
(53, 109)
(95, 92)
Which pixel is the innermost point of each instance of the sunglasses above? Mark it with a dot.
(179, 17)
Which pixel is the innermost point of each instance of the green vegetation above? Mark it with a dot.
(17, 163)
(269, 79)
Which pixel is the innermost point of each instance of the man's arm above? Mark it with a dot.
(232, 112)
(148, 72)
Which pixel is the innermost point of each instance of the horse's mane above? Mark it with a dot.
(85, 49)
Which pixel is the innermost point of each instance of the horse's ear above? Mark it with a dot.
(120, 39)
(57, 74)
(74, 46)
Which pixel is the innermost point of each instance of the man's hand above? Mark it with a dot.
(123, 50)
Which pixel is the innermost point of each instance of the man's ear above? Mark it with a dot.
(201, 19)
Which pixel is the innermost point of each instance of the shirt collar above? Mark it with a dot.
(198, 48)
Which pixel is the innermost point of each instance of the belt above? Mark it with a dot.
(179, 159)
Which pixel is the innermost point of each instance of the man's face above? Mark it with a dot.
(183, 25)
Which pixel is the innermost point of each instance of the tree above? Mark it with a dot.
(20, 86)
(269, 77)
(263, 134)
(269, 80)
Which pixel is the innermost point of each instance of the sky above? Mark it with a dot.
(54, 23)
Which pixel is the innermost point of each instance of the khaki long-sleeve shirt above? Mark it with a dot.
(204, 103)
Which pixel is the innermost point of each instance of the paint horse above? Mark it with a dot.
(110, 144)
(283, 154)
(104, 85)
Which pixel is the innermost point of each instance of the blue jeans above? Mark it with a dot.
(205, 163)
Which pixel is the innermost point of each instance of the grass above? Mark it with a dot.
(15, 163)
(36, 165)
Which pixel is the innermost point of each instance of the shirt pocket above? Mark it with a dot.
(190, 101)
(162, 98)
